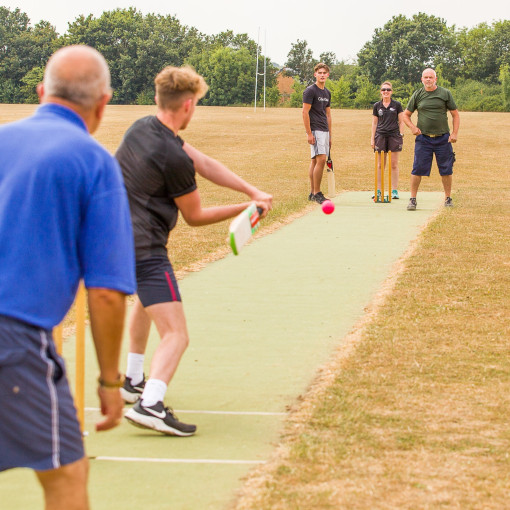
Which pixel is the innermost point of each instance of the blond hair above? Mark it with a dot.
(321, 65)
(176, 84)
(386, 83)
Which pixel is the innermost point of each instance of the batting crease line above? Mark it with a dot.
(177, 461)
(240, 413)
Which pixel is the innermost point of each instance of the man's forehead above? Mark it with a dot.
(428, 74)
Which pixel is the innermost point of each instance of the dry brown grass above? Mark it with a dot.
(413, 411)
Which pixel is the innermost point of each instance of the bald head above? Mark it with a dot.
(429, 79)
(77, 74)
(429, 72)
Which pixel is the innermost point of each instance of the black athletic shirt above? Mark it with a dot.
(388, 117)
(320, 99)
(156, 170)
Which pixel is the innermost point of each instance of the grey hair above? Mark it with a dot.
(82, 82)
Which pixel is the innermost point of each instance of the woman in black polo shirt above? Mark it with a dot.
(387, 132)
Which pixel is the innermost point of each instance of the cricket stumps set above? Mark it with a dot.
(379, 192)
(79, 385)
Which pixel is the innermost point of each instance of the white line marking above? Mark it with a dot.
(178, 461)
(188, 411)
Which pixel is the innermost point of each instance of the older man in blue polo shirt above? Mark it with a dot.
(64, 216)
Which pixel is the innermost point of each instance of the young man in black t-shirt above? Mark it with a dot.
(159, 174)
(317, 121)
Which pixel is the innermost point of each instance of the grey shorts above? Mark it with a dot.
(321, 145)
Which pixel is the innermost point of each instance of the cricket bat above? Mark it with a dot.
(243, 226)
(331, 177)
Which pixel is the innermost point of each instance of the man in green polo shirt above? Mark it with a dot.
(432, 133)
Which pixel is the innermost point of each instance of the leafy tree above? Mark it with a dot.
(404, 47)
(478, 96)
(30, 82)
(328, 58)
(474, 46)
(500, 47)
(441, 80)
(504, 78)
(367, 93)
(296, 98)
(229, 73)
(229, 39)
(340, 92)
(21, 49)
(136, 47)
(273, 96)
(484, 49)
(300, 60)
(339, 69)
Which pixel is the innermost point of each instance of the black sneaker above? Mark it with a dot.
(319, 197)
(131, 393)
(310, 197)
(448, 202)
(411, 206)
(160, 418)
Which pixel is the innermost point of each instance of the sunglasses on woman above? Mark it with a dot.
(385, 90)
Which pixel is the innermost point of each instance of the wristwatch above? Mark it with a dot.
(111, 385)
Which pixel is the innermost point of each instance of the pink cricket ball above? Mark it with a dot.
(328, 207)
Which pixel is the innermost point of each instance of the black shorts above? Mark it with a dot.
(385, 143)
(156, 281)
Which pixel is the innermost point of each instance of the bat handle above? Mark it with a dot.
(260, 210)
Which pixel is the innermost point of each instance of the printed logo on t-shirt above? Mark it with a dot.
(322, 99)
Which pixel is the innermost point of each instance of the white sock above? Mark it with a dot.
(134, 368)
(154, 392)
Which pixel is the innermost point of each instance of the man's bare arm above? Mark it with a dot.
(456, 124)
(107, 310)
(407, 121)
(328, 116)
(306, 122)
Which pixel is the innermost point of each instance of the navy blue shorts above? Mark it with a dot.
(39, 427)
(424, 149)
(156, 282)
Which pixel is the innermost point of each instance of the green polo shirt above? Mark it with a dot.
(432, 107)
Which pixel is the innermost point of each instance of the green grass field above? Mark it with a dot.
(412, 410)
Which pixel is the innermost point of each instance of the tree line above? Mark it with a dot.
(474, 63)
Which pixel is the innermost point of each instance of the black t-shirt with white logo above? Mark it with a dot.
(320, 99)
(156, 170)
(388, 117)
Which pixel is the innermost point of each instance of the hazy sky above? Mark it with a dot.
(327, 25)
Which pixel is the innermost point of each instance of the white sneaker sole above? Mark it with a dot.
(153, 423)
(129, 398)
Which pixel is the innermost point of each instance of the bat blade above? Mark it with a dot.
(243, 226)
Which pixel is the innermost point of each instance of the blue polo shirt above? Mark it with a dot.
(64, 216)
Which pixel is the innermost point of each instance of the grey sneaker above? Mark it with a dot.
(448, 202)
(160, 418)
(132, 392)
(319, 197)
(411, 206)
